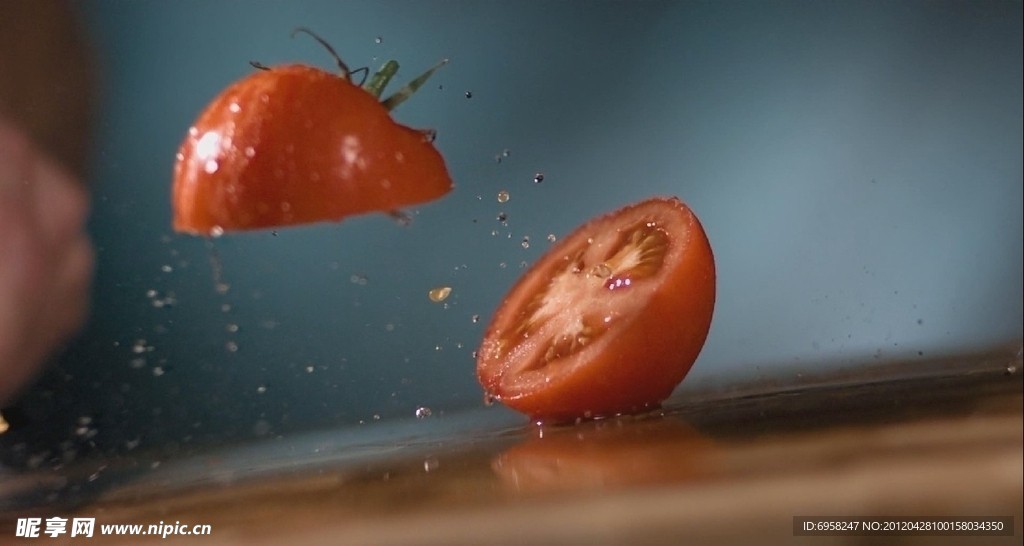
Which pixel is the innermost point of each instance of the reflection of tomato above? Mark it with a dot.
(608, 454)
(294, 144)
(608, 321)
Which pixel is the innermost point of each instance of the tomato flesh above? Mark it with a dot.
(293, 145)
(609, 321)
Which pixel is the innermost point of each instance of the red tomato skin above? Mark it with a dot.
(638, 363)
(295, 144)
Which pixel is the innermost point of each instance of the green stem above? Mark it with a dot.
(404, 93)
(381, 78)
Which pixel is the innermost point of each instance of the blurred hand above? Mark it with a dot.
(46, 258)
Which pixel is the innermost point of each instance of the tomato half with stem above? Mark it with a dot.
(294, 144)
(608, 321)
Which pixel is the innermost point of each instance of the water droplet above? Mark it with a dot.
(489, 399)
(401, 218)
(166, 268)
(1011, 369)
(234, 108)
(231, 327)
(502, 265)
(526, 242)
(358, 278)
(502, 217)
(439, 294)
(225, 308)
(430, 464)
(231, 347)
(151, 293)
(216, 231)
(250, 151)
(538, 178)
(274, 233)
(475, 318)
(469, 94)
(552, 238)
(503, 196)
(601, 270)
(310, 369)
(211, 166)
(423, 412)
(222, 287)
(139, 346)
(378, 40)
(261, 389)
(158, 371)
(506, 152)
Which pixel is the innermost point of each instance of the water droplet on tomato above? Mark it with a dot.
(216, 231)
(503, 196)
(601, 270)
(430, 464)
(249, 151)
(234, 108)
(423, 412)
(211, 166)
(538, 178)
(439, 294)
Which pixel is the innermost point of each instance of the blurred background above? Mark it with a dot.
(857, 166)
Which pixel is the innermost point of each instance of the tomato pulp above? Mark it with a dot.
(608, 321)
(295, 144)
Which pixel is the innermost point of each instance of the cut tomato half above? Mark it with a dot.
(293, 145)
(609, 321)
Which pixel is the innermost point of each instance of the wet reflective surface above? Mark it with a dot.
(717, 467)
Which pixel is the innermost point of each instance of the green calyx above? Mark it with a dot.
(376, 84)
